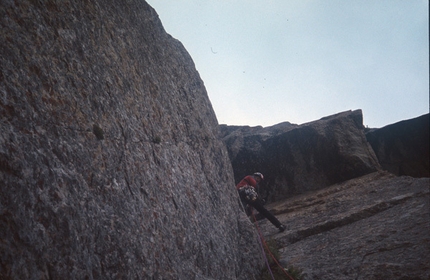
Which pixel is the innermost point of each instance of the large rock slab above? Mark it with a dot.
(373, 227)
(403, 148)
(111, 165)
(299, 158)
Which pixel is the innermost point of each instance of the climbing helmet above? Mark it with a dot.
(258, 174)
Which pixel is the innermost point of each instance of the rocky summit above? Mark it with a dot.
(299, 158)
(111, 166)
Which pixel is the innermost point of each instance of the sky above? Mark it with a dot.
(264, 62)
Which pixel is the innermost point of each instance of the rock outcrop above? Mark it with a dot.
(300, 158)
(403, 148)
(373, 227)
(111, 165)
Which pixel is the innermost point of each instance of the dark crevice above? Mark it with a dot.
(352, 218)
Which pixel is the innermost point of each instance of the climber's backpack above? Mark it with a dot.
(248, 193)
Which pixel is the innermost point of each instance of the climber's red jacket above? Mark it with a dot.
(248, 180)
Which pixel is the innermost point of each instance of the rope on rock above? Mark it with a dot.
(264, 255)
(263, 241)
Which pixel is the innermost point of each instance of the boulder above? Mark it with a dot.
(402, 148)
(299, 158)
(372, 227)
(111, 166)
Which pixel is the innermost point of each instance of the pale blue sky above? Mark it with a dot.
(268, 61)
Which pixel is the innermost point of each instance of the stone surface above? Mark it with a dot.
(298, 158)
(403, 148)
(111, 166)
(373, 227)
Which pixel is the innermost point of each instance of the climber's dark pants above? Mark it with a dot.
(263, 211)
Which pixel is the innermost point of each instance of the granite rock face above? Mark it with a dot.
(111, 166)
(299, 158)
(373, 227)
(403, 148)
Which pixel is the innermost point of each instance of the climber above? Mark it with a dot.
(249, 196)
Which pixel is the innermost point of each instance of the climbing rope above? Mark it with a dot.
(262, 241)
(265, 257)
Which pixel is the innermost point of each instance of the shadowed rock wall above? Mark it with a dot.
(298, 158)
(110, 161)
(403, 148)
